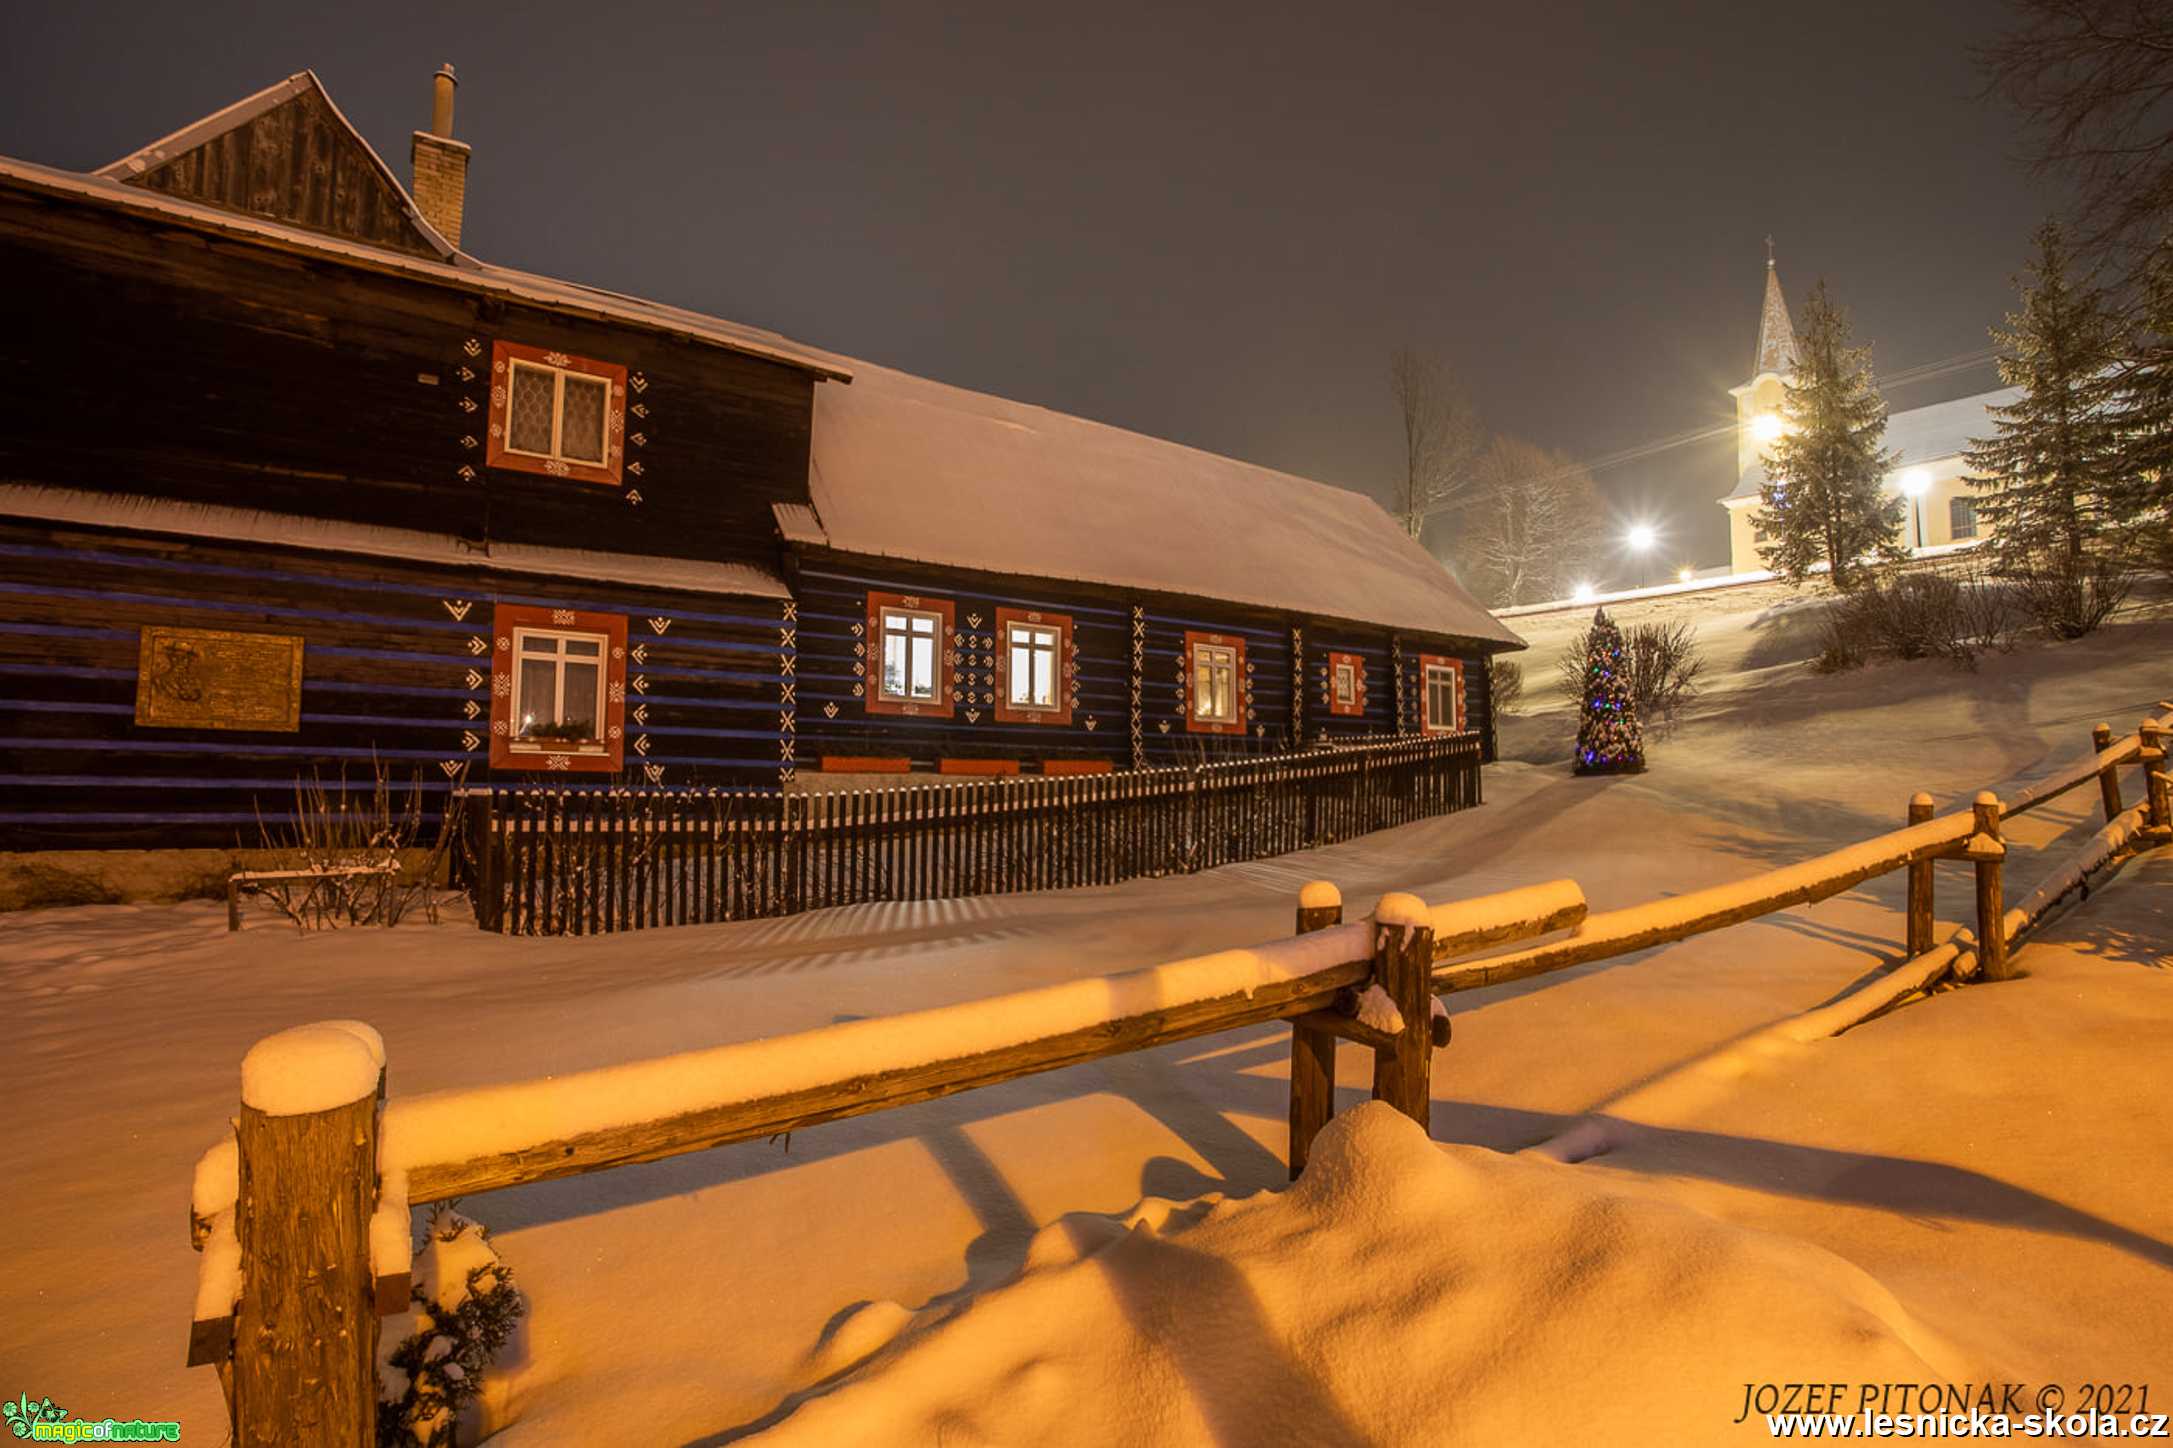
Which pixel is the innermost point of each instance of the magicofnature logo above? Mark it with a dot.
(47, 1422)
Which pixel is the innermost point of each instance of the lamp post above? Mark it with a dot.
(1915, 483)
(1641, 537)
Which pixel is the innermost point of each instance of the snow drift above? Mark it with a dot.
(1399, 1292)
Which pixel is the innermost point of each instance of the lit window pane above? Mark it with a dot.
(528, 410)
(1022, 672)
(538, 696)
(894, 664)
(577, 720)
(922, 684)
(581, 431)
(585, 648)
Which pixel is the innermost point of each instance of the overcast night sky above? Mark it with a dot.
(1207, 222)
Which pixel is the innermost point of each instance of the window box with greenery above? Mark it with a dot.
(557, 690)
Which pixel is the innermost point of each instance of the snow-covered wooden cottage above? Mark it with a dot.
(288, 480)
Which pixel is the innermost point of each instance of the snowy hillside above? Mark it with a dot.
(1935, 1195)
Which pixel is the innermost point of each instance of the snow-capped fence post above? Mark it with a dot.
(305, 1339)
(2101, 739)
(2152, 735)
(1985, 849)
(1920, 884)
(1403, 967)
(1312, 1050)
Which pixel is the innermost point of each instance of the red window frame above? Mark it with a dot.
(496, 454)
(504, 753)
(1243, 699)
(1357, 665)
(1067, 668)
(947, 661)
(1425, 695)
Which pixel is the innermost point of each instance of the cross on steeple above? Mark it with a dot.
(1769, 250)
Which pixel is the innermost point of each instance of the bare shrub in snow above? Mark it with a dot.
(353, 852)
(1919, 616)
(466, 1308)
(1504, 683)
(2072, 596)
(1844, 637)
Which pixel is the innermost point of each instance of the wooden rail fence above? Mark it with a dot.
(304, 1218)
(576, 861)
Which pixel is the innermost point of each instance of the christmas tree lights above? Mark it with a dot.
(1609, 738)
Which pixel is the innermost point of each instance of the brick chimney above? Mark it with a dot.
(440, 163)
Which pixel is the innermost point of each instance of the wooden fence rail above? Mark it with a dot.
(576, 861)
(283, 1208)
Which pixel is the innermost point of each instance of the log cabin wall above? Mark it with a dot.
(396, 669)
(148, 357)
(836, 659)
(1376, 718)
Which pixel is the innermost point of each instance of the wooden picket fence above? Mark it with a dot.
(573, 861)
(301, 1264)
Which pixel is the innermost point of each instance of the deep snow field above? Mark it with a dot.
(1970, 1189)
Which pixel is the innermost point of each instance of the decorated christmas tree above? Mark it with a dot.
(1609, 740)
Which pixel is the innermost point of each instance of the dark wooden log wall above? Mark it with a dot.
(833, 593)
(832, 720)
(389, 674)
(1379, 719)
(152, 358)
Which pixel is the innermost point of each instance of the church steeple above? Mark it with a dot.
(1776, 335)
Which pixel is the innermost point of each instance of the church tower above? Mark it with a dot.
(1758, 416)
(1760, 398)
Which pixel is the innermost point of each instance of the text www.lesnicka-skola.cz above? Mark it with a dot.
(1966, 1425)
(1948, 1410)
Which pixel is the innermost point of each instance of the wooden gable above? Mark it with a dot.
(287, 154)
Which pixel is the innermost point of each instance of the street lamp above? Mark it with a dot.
(1641, 537)
(1583, 593)
(1915, 483)
(1766, 427)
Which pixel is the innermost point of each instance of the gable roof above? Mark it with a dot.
(287, 153)
(906, 468)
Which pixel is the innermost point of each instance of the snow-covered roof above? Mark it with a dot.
(460, 270)
(908, 468)
(1942, 430)
(1921, 435)
(252, 525)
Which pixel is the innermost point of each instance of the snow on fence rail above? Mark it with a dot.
(572, 861)
(298, 1268)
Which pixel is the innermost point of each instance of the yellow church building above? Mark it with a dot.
(1929, 473)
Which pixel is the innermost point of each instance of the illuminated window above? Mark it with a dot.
(1214, 684)
(1033, 665)
(558, 688)
(912, 645)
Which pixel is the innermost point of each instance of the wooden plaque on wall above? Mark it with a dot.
(197, 678)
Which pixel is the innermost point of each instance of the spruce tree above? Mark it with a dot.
(1825, 496)
(2143, 401)
(2053, 468)
(1609, 739)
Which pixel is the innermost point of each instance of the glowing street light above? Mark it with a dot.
(1584, 593)
(1914, 484)
(1685, 573)
(1641, 537)
(1767, 427)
